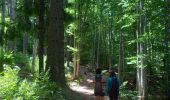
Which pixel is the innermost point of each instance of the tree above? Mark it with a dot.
(12, 42)
(121, 58)
(55, 50)
(166, 47)
(141, 78)
(41, 35)
(2, 33)
(26, 13)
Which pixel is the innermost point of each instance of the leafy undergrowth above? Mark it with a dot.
(14, 87)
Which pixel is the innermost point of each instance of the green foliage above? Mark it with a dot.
(8, 80)
(74, 50)
(126, 94)
(13, 87)
(27, 90)
(22, 60)
(19, 59)
(7, 58)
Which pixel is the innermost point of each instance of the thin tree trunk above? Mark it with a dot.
(121, 58)
(93, 43)
(2, 21)
(25, 42)
(2, 33)
(67, 52)
(77, 64)
(12, 43)
(34, 55)
(110, 40)
(75, 46)
(141, 78)
(121, 53)
(75, 61)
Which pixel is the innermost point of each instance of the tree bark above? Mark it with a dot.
(41, 35)
(2, 21)
(75, 76)
(12, 10)
(2, 33)
(34, 55)
(121, 58)
(25, 42)
(12, 43)
(111, 40)
(141, 60)
(166, 48)
(55, 50)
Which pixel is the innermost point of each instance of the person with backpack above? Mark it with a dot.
(113, 86)
(98, 89)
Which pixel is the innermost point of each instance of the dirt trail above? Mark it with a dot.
(86, 86)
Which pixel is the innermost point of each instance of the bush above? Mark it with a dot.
(7, 58)
(8, 80)
(19, 59)
(14, 87)
(126, 94)
(22, 60)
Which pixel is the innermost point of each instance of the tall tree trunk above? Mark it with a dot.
(75, 76)
(34, 55)
(67, 52)
(166, 48)
(111, 39)
(3, 20)
(12, 43)
(2, 33)
(12, 10)
(75, 46)
(55, 50)
(121, 58)
(76, 42)
(121, 51)
(41, 35)
(141, 78)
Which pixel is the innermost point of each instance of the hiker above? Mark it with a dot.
(113, 86)
(105, 76)
(98, 90)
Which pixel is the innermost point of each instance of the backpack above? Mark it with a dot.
(98, 84)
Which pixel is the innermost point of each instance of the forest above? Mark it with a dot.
(46, 46)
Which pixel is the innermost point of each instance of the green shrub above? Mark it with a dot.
(7, 58)
(22, 60)
(13, 87)
(27, 90)
(8, 80)
(126, 94)
(19, 59)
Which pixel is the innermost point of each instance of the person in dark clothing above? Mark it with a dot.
(98, 91)
(113, 86)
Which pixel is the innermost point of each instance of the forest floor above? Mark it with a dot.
(85, 85)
